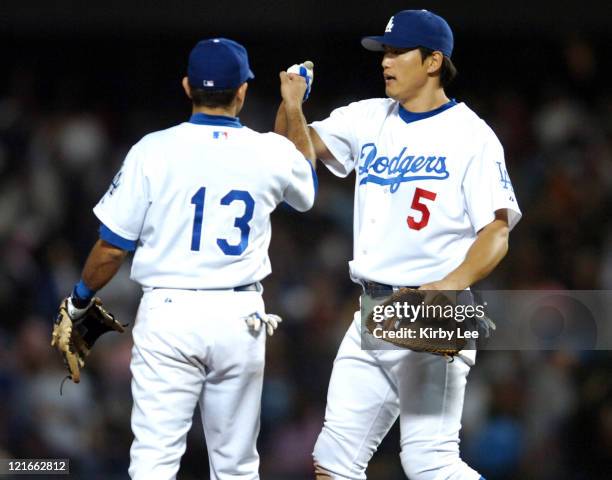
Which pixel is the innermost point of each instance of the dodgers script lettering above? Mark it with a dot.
(401, 168)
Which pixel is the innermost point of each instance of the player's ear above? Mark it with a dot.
(434, 62)
(240, 97)
(186, 87)
(242, 89)
(241, 93)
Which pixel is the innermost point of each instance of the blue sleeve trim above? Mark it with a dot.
(288, 208)
(82, 291)
(118, 241)
(315, 179)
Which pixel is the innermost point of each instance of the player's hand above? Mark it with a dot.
(293, 89)
(441, 285)
(74, 339)
(432, 289)
(256, 320)
(305, 70)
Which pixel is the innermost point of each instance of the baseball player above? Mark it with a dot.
(194, 203)
(433, 209)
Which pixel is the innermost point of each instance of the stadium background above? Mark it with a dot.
(80, 84)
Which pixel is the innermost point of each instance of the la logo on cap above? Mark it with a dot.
(389, 25)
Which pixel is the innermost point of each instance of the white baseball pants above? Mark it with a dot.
(367, 392)
(195, 347)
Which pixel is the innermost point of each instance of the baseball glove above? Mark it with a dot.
(74, 338)
(420, 321)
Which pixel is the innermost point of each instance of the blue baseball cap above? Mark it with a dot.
(218, 64)
(411, 29)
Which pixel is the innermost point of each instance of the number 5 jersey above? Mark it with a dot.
(426, 183)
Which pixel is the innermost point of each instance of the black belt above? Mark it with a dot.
(375, 289)
(251, 287)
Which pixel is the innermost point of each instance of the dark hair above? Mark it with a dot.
(212, 98)
(448, 71)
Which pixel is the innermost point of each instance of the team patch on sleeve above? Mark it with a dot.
(115, 183)
(504, 180)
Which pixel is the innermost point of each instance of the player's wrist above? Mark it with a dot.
(81, 296)
(76, 312)
(293, 106)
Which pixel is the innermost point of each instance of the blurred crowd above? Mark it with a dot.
(536, 415)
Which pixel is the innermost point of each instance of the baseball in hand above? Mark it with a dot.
(308, 65)
(306, 70)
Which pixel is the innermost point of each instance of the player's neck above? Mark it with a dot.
(225, 112)
(425, 101)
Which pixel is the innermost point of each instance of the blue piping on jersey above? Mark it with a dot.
(315, 179)
(410, 117)
(285, 206)
(315, 182)
(118, 241)
(218, 120)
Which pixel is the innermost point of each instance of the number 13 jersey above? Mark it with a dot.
(426, 183)
(195, 201)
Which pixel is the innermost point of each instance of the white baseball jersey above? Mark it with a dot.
(423, 190)
(197, 199)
